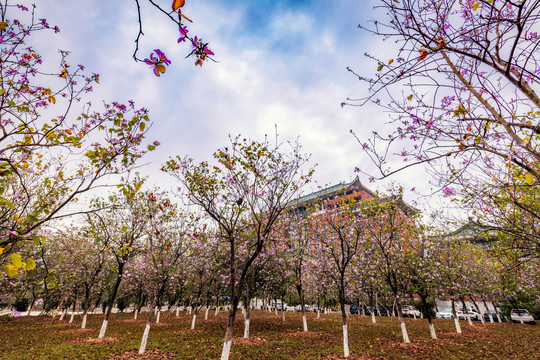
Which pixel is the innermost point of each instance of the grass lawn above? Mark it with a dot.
(42, 338)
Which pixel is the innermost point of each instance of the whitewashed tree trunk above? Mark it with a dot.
(414, 315)
(63, 314)
(432, 331)
(226, 350)
(83, 326)
(318, 314)
(158, 315)
(490, 316)
(469, 321)
(189, 310)
(498, 316)
(404, 332)
(217, 311)
(136, 313)
(456, 320)
(193, 321)
(246, 328)
(276, 310)
(458, 327)
(345, 342)
(304, 321)
(373, 319)
(71, 317)
(283, 315)
(177, 311)
(103, 329)
(206, 314)
(144, 340)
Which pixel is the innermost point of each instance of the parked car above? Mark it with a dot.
(409, 310)
(299, 308)
(473, 314)
(354, 309)
(444, 314)
(518, 315)
(494, 316)
(383, 311)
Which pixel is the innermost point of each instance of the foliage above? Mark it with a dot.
(49, 154)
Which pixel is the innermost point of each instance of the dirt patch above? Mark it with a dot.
(303, 333)
(353, 357)
(249, 341)
(150, 354)
(59, 324)
(78, 330)
(189, 331)
(95, 341)
(135, 321)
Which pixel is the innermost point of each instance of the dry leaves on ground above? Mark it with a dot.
(150, 354)
(95, 341)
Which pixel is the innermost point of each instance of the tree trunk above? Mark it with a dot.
(496, 312)
(158, 310)
(488, 311)
(144, 339)
(64, 311)
(111, 302)
(31, 305)
(229, 332)
(477, 309)
(428, 316)
(73, 312)
(456, 320)
(402, 323)
(373, 319)
(466, 312)
(247, 320)
(344, 323)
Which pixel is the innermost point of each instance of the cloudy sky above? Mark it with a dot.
(279, 63)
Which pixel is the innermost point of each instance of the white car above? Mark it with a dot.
(518, 315)
(445, 314)
(410, 311)
(473, 314)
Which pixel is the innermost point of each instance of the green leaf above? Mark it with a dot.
(529, 178)
(410, 97)
(142, 125)
(477, 139)
(16, 260)
(380, 67)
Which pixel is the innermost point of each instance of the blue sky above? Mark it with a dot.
(280, 63)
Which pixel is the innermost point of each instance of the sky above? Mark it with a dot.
(279, 65)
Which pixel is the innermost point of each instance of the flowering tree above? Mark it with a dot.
(390, 235)
(298, 239)
(476, 110)
(169, 234)
(339, 235)
(122, 226)
(248, 188)
(157, 60)
(479, 58)
(44, 132)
